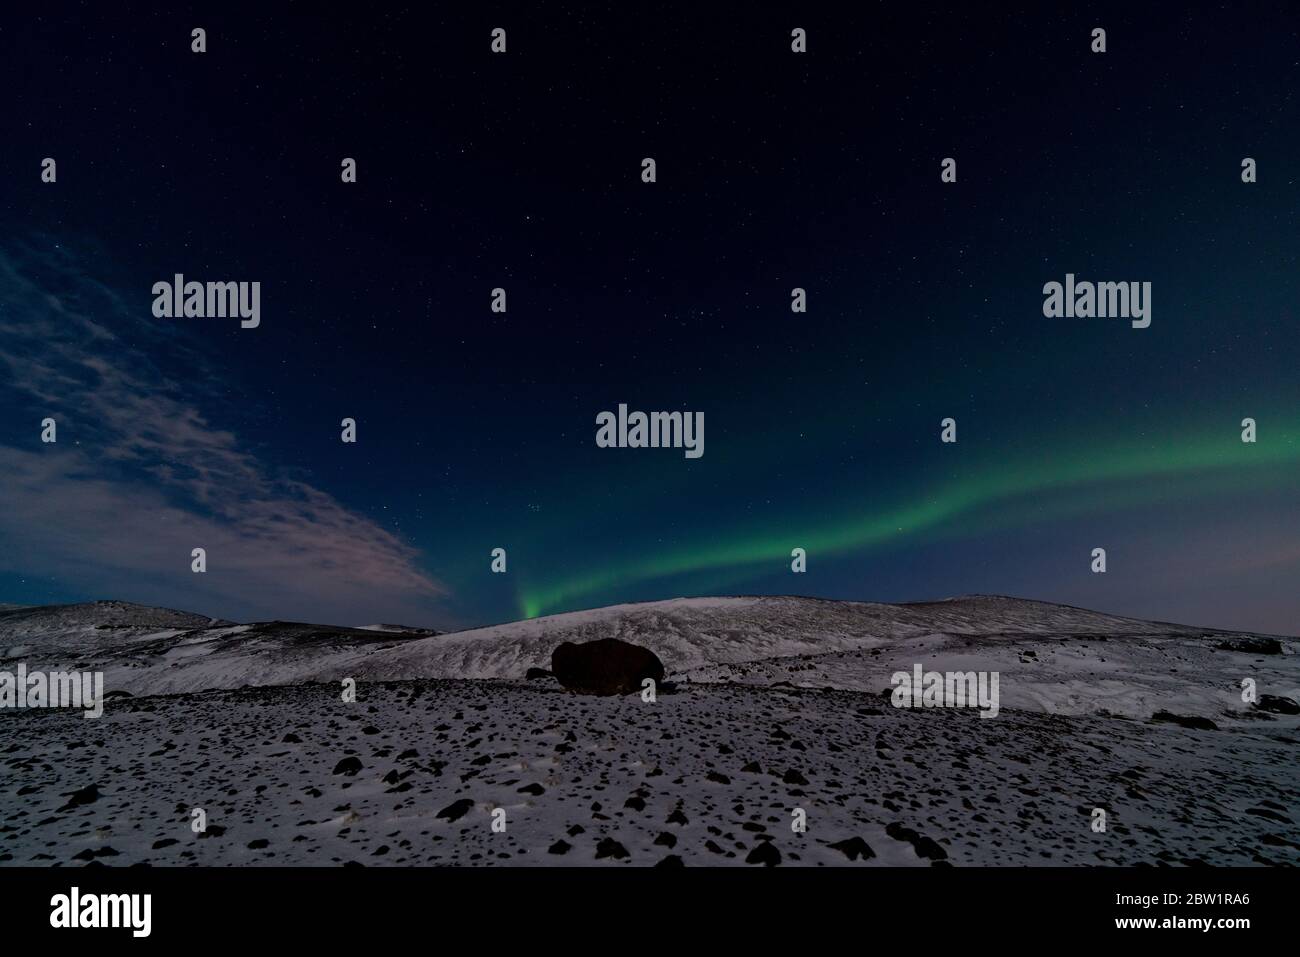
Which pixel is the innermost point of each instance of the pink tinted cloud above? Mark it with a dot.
(152, 476)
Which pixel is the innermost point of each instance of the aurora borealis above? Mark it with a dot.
(477, 429)
(995, 498)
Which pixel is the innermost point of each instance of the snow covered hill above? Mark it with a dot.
(774, 709)
(1051, 658)
(144, 650)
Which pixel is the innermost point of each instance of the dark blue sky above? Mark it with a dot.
(775, 170)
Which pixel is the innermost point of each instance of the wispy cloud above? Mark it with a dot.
(142, 473)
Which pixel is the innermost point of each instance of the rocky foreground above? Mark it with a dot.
(414, 772)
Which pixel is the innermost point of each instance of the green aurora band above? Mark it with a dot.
(1219, 461)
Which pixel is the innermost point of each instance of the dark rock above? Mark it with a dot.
(609, 847)
(87, 795)
(1277, 704)
(456, 810)
(533, 674)
(348, 766)
(606, 666)
(855, 847)
(559, 847)
(672, 860)
(1185, 720)
(924, 846)
(88, 854)
(1251, 644)
(1266, 813)
(764, 853)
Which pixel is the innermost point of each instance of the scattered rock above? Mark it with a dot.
(1270, 815)
(609, 847)
(1277, 704)
(924, 846)
(764, 853)
(348, 766)
(456, 810)
(1251, 644)
(1185, 720)
(88, 854)
(855, 847)
(87, 795)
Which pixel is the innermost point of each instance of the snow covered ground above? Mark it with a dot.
(1052, 658)
(777, 711)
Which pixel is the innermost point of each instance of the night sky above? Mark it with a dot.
(476, 430)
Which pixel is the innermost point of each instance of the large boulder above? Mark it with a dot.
(605, 667)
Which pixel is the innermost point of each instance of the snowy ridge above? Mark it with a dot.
(144, 650)
(400, 629)
(774, 703)
(688, 633)
(1052, 658)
